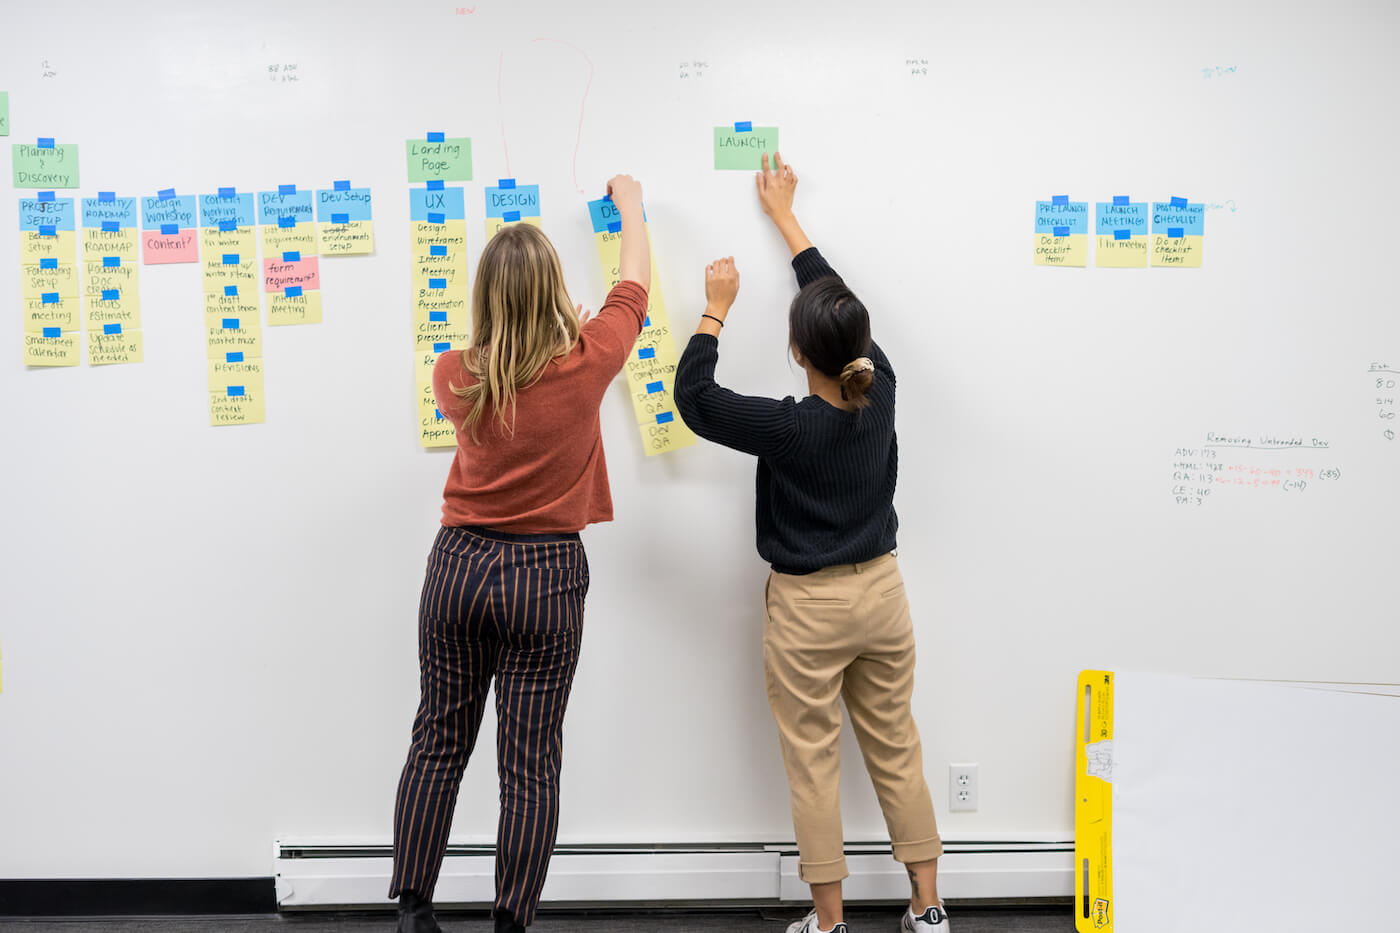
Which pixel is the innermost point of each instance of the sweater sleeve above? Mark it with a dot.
(810, 265)
(613, 330)
(765, 427)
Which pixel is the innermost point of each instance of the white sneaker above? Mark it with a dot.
(935, 918)
(809, 925)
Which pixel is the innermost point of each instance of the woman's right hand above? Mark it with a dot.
(776, 188)
(625, 191)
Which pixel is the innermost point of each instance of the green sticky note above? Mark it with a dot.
(45, 168)
(744, 150)
(4, 113)
(449, 160)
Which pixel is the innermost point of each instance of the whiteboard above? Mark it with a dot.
(208, 634)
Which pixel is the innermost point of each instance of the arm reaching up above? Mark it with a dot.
(635, 263)
(775, 194)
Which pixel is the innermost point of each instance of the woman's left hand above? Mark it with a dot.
(721, 286)
(583, 316)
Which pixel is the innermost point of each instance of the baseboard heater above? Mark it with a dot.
(319, 875)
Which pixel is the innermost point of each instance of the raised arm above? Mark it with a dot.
(775, 193)
(635, 261)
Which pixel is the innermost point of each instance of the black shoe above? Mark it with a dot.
(505, 923)
(416, 915)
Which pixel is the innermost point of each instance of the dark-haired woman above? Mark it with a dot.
(838, 622)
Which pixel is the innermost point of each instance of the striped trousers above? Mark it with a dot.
(508, 607)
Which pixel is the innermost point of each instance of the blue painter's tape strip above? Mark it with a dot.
(646, 353)
(169, 229)
(233, 357)
(342, 185)
(230, 259)
(52, 332)
(1178, 202)
(743, 126)
(437, 412)
(49, 263)
(509, 216)
(111, 262)
(230, 323)
(1120, 200)
(285, 222)
(230, 291)
(646, 321)
(1176, 233)
(437, 250)
(340, 219)
(437, 283)
(665, 417)
(111, 294)
(166, 194)
(228, 192)
(437, 317)
(45, 142)
(111, 226)
(286, 189)
(49, 298)
(1059, 199)
(436, 137)
(435, 184)
(506, 183)
(111, 328)
(293, 291)
(653, 387)
(45, 195)
(615, 227)
(234, 391)
(1122, 234)
(106, 197)
(228, 226)
(442, 345)
(291, 255)
(1059, 231)
(436, 218)
(52, 229)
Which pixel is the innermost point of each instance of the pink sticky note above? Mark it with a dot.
(157, 247)
(279, 275)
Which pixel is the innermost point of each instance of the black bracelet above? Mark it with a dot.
(713, 318)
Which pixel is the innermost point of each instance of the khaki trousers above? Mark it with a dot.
(845, 632)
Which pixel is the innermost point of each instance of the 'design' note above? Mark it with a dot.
(509, 203)
(440, 158)
(1061, 232)
(45, 164)
(742, 147)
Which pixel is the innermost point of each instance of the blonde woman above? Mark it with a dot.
(507, 575)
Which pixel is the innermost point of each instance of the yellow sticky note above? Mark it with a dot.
(64, 313)
(353, 239)
(239, 240)
(125, 244)
(666, 433)
(240, 269)
(495, 225)
(1113, 253)
(434, 430)
(301, 309)
(62, 350)
(278, 240)
(243, 339)
(1071, 250)
(242, 307)
(1182, 252)
(426, 335)
(124, 310)
(62, 279)
(444, 279)
(107, 349)
(238, 403)
(34, 246)
(1093, 804)
(223, 373)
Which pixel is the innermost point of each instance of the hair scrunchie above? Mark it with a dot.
(860, 365)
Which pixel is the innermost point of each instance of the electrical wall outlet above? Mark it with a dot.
(962, 787)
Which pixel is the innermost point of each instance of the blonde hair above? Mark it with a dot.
(522, 318)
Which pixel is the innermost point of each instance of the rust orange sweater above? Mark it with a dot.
(550, 475)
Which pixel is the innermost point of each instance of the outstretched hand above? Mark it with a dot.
(721, 285)
(777, 187)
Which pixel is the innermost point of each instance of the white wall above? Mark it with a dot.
(208, 634)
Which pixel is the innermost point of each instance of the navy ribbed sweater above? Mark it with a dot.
(826, 477)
